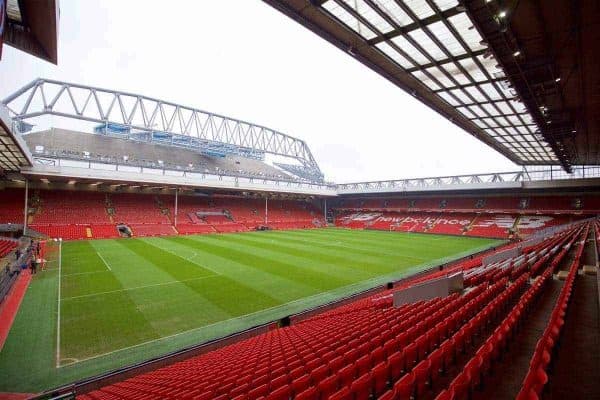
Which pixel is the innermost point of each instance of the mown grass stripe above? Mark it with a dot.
(282, 288)
(308, 274)
(346, 251)
(255, 283)
(338, 260)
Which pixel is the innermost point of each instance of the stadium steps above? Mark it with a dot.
(515, 228)
(461, 358)
(576, 371)
(499, 377)
(540, 365)
(507, 378)
(470, 226)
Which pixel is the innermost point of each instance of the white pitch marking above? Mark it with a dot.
(58, 313)
(137, 287)
(202, 327)
(104, 261)
(85, 273)
(185, 258)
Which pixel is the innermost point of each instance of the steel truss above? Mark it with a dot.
(134, 112)
(527, 174)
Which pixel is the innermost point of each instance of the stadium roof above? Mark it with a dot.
(13, 152)
(463, 60)
(132, 114)
(32, 26)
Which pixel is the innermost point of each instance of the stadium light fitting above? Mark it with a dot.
(72, 182)
(557, 79)
(517, 53)
(502, 14)
(45, 180)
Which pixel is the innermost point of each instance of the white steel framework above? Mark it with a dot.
(134, 112)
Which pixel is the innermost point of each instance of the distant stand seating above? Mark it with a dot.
(194, 229)
(95, 215)
(468, 224)
(106, 231)
(137, 209)
(67, 232)
(68, 214)
(515, 204)
(74, 208)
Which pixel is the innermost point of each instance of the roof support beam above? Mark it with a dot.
(415, 25)
(471, 84)
(447, 60)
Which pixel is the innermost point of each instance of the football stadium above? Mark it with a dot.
(154, 250)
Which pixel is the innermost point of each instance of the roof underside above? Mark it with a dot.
(557, 71)
(13, 155)
(32, 26)
(435, 50)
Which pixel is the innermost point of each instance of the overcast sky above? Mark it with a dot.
(244, 59)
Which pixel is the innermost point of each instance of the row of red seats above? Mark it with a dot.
(152, 229)
(6, 246)
(194, 229)
(419, 332)
(67, 207)
(469, 224)
(307, 224)
(537, 376)
(230, 227)
(104, 231)
(506, 203)
(137, 209)
(495, 225)
(472, 375)
(368, 346)
(67, 232)
(530, 260)
(416, 384)
(280, 366)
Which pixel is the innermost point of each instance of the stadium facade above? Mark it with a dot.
(117, 165)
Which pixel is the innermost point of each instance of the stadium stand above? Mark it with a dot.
(11, 206)
(517, 204)
(61, 207)
(107, 149)
(442, 347)
(6, 246)
(64, 214)
(136, 209)
(104, 231)
(494, 217)
(92, 215)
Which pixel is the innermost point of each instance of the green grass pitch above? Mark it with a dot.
(127, 300)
